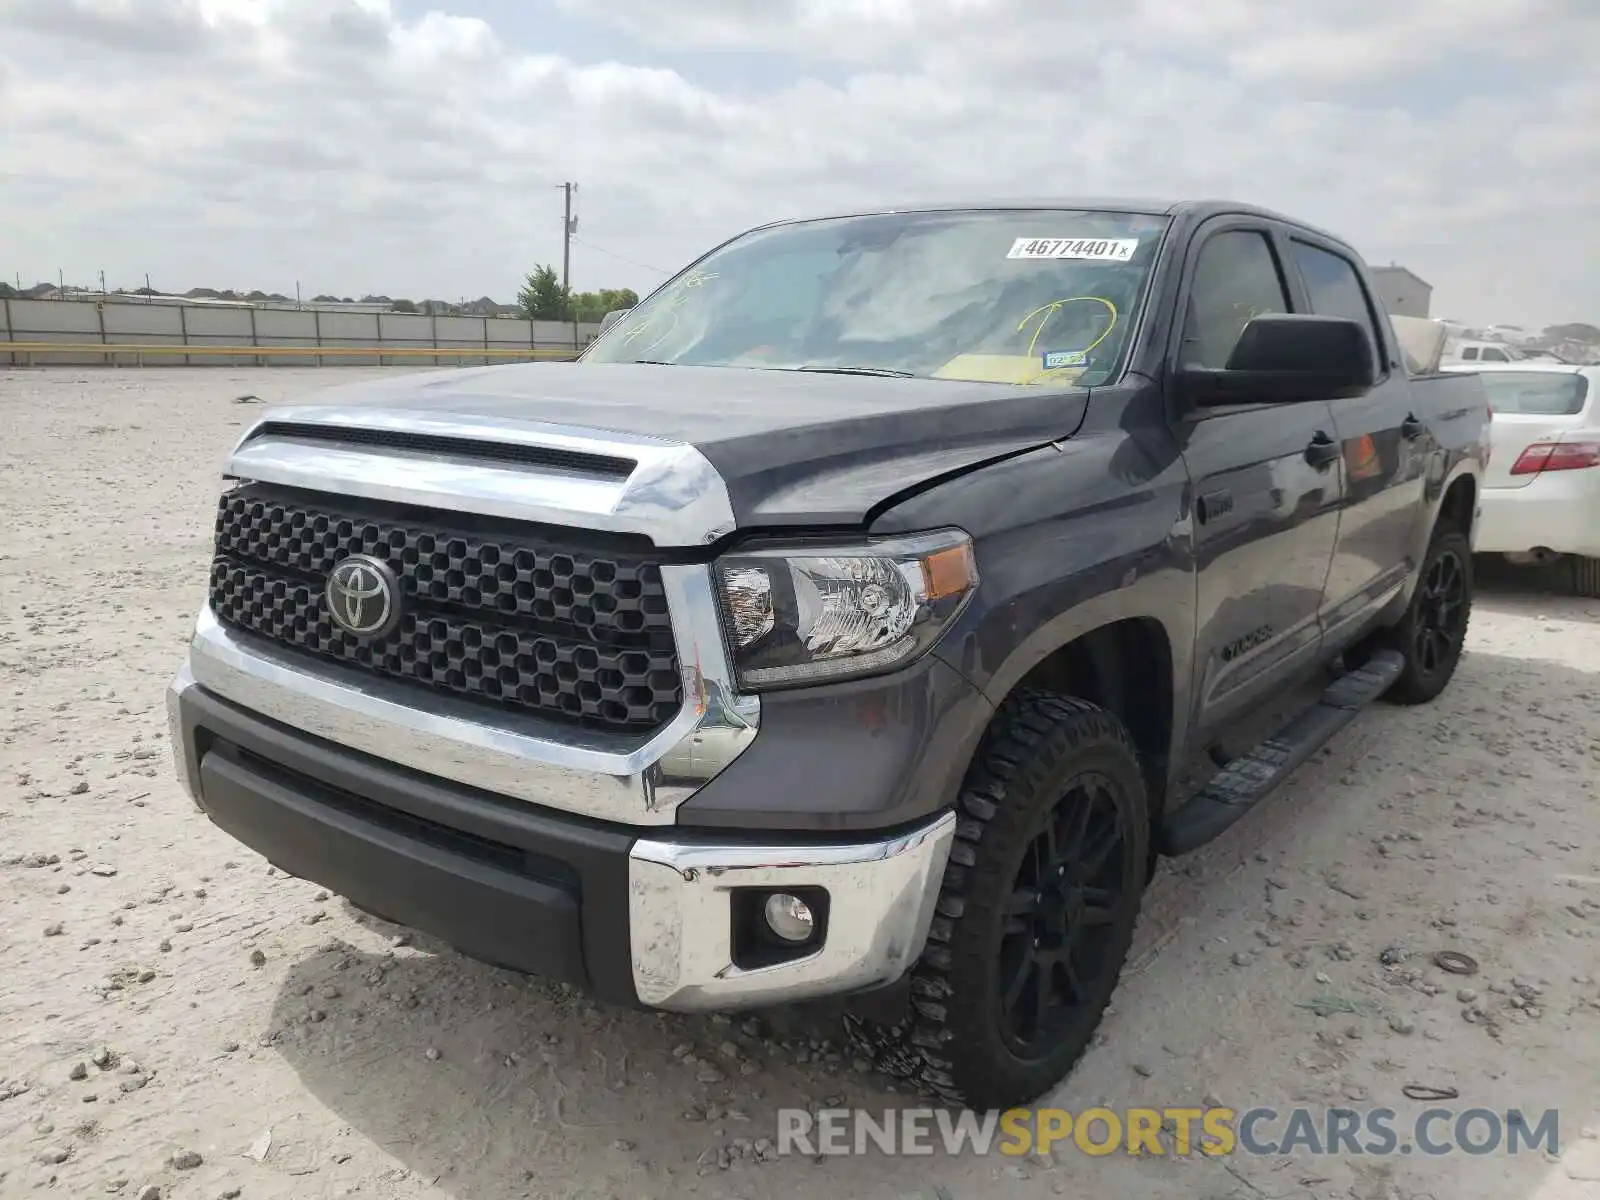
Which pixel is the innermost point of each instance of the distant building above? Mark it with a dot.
(1403, 293)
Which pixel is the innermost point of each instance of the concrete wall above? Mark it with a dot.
(115, 324)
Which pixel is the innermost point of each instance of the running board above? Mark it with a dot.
(1235, 789)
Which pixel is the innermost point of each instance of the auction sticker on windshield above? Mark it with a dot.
(1100, 249)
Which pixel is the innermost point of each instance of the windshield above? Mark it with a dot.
(1022, 297)
(1535, 393)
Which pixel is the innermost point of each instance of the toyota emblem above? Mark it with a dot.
(363, 596)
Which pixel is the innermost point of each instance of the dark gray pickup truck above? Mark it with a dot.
(840, 623)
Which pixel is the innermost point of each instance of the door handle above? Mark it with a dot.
(1322, 450)
(1213, 505)
(1411, 428)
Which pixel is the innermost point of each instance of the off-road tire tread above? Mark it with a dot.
(1032, 732)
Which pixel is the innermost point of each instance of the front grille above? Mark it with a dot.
(497, 613)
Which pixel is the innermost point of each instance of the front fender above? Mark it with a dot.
(1069, 539)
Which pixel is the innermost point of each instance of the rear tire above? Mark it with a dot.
(1431, 635)
(1036, 912)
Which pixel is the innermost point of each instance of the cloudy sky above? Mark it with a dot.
(416, 146)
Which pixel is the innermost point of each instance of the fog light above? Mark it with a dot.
(789, 917)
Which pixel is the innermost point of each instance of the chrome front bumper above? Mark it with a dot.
(182, 760)
(881, 897)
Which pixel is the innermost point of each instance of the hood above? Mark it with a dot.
(791, 447)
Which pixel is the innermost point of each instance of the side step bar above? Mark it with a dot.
(1235, 789)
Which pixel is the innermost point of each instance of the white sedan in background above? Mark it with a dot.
(1541, 491)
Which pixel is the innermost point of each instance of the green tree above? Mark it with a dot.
(591, 306)
(542, 298)
(403, 306)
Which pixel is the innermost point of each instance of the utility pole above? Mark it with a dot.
(566, 237)
(569, 225)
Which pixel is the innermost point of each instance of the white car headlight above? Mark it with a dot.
(804, 614)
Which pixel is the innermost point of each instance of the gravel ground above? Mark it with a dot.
(179, 1020)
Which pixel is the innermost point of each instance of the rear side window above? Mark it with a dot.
(1470, 354)
(1236, 278)
(1536, 393)
(1335, 288)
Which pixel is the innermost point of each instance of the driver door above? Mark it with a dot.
(1265, 489)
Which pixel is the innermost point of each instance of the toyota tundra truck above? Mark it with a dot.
(841, 622)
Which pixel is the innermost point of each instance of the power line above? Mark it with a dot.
(619, 257)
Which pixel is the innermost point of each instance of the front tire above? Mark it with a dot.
(1037, 909)
(1431, 635)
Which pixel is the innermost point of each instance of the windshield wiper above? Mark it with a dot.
(884, 372)
(649, 362)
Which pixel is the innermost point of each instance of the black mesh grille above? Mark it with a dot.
(501, 616)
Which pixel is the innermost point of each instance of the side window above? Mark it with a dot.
(1470, 354)
(1235, 278)
(1335, 288)
(1492, 355)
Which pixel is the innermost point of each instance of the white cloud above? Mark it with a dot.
(250, 143)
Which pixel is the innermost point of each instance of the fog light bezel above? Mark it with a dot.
(755, 944)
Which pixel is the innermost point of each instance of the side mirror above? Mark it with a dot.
(611, 318)
(1288, 358)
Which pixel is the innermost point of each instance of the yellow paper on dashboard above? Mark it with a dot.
(1005, 368)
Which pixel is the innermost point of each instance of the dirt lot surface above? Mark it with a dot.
(175, 1015)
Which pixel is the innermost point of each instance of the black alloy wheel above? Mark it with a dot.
(1441, 612)
(1064, 904)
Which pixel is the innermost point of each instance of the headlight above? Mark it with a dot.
(809, 614)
